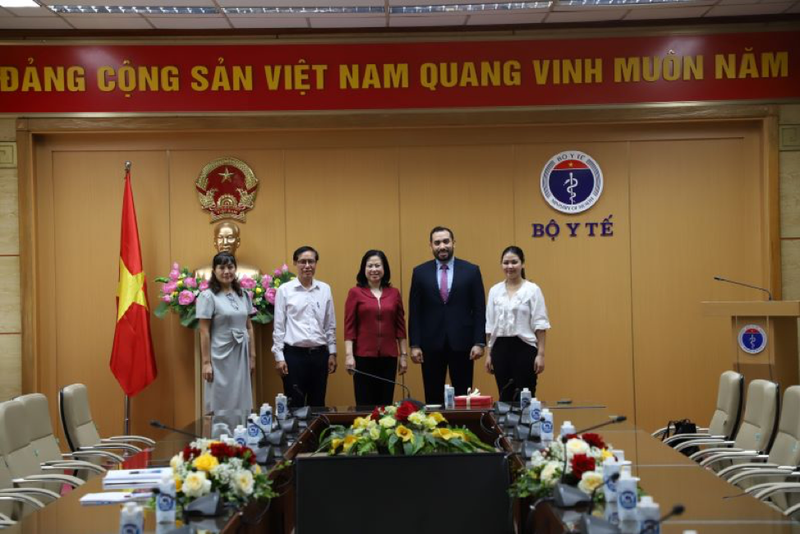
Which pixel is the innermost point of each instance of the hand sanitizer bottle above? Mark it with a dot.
(165, 500)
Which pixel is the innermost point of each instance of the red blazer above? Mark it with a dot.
(374, 330)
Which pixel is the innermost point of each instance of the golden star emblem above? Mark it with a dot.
(130, 290)
(226, 176)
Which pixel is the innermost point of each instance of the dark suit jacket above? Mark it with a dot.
(461, 321)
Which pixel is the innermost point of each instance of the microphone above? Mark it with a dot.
(678, 509)
(765, 290)
(409, 398)
(610, 480)
(162, 426)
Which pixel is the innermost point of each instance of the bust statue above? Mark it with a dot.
(226, 239)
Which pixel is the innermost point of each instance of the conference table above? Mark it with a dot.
(712, 505)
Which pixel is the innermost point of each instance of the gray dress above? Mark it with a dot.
(230, 350)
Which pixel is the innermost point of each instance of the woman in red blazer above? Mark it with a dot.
(374, 330)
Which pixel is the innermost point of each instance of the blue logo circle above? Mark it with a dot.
(571, 182)
(165, 502)
(627, 499)
(752, 339)
(547, 426)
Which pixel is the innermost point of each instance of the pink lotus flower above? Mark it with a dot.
(174, 274)
(190, 281)
(271, 295)
(266, 280)
(203, 285)
(166, 298)
(176, 267)
(169, 287)
(247, 282)
(277, 272)
(285, 268)
(185, 297)
(250, 293)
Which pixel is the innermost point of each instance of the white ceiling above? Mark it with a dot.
(42, 18)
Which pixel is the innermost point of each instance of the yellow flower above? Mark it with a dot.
(259, 291)
(205, 462)
(438, 417)
(430, 423)
(257, 469)
(444, 433)
(180, 283)
(417, 418)
(461, 435)
(349, 441)
(276, 282)
(335, 444)
(361, 422)
(178, 483)
(404, 433)
(174, 293)
(387, 422)
(374, 432)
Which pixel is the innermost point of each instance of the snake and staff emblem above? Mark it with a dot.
(571, 181)
(752, 339)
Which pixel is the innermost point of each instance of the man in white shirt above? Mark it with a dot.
(304, 335)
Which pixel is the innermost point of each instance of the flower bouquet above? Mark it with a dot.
(585, 455)
(206, 465)
(262, 292)
(178, 294)
(398, 430)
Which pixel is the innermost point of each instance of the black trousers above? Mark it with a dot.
(434, 373)
(512, 358)
(307, 381)
(371, 391)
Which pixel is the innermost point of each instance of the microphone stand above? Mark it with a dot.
(408, 398)
(158, 424)
(734, 282)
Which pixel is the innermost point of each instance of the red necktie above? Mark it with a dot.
(443, 284)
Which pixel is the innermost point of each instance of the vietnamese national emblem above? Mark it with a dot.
(227, 189)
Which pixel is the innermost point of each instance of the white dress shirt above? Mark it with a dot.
(303, 317)
(519, 316)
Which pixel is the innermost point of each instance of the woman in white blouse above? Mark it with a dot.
(516, 324)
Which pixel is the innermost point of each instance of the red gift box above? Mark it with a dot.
(476, 401)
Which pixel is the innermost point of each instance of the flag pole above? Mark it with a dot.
(126, 425)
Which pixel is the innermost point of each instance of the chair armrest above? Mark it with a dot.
(64, 479)
(21, 497)
(756, 462)
(764, 491)
(76, 465)
(661, 431)
(37, 491)
(699, 435)
(105, 444)
(718, 457)
(135, 439)
(88, 452)
(718, 443)
(784, 472)
(713, 450)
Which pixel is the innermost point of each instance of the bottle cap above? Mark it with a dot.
(646, 501)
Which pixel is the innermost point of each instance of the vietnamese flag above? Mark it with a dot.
(132, 360)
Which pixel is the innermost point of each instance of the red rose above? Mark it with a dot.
(221, 450)
(581, 464)
(405, 409)
(595, 440)
(190, 452)
(376, 413)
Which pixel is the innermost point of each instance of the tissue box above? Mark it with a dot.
(477, 401)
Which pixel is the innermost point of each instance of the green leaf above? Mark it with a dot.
(161, 310)
(408, 448)
(161, 279)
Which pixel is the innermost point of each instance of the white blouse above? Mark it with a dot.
(521, 315)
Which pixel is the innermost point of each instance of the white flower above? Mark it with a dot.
(387, 422)
(244, 481)
(196, 484)
(417, 418)
(550, 471)
(374, 432)
(589, 481)
(577, 446)
(176, 462)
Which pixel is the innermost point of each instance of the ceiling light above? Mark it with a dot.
(594, 3)
(299, 10)
(450, 8)
(18, 3)
(142, 10)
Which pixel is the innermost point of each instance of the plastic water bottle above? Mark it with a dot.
(265, 420)
(449, 397)
(131, 520)
(280, 406)
(567, 428)
(547, 426)
(240, 435)
(536, 415)
(524, 398)
(165, 500)
(610, 467)
(627, 497)
(648, 514)
(253, 431)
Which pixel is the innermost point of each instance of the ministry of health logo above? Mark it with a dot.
(571, 182)
(752, 339)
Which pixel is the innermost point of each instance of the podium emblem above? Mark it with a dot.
(752, 339)
(227, 188)
(571, 182)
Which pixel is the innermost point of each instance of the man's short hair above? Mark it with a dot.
(441, 229)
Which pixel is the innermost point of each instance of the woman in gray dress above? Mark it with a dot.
(225, 339)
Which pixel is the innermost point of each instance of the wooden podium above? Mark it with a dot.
(777, 360)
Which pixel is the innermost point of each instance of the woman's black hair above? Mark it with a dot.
(223, 258)
(513, 249)
(361, 278)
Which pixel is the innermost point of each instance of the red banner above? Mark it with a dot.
(463, 74)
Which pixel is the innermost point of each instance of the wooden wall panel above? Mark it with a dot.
(10, 360)
(695, 213)
(585, 280)
(468, 189)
